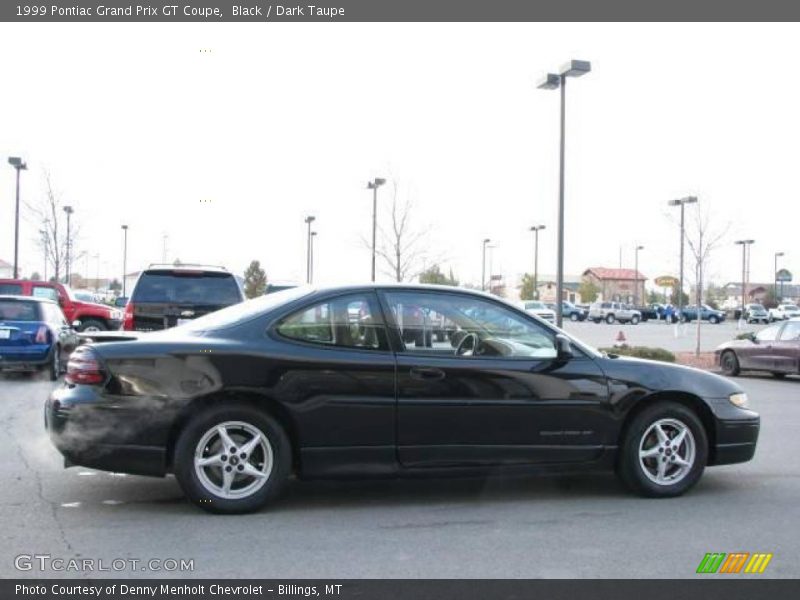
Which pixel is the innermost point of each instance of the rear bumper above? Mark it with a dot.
(23, 359)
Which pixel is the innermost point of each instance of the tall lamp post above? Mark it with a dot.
(311, 276)
(19, 165)
(636, 274)
(124, 257)
(777, 298)
(744, 244)
(374, 185)
(69, 210)
(682, 202)
(483, 267)
(536, 229)
(308, 221)
(574, 68)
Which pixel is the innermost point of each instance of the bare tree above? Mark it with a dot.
(50, 217)
(402, 244)
(702, 240)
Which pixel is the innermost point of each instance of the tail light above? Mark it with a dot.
(84, 367)
(127, 319)
(41, 335)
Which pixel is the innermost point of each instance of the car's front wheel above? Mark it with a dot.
(574, 317)
(729, 363)
(713, 319)
(634, 320)
(610, 319)
(664, 451)
(232, 459)
(92, 326)
(54, 365)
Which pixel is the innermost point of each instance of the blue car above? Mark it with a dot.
(34, 335)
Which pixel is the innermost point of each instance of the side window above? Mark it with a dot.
(347, 322)
(791, 332)
(768, 334)
(465, 326)
(40, 291)
(11, 289)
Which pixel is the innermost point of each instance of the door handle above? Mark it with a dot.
(426, 374)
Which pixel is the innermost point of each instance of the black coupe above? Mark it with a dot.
(352, 381)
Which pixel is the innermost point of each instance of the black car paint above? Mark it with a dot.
(354, 412)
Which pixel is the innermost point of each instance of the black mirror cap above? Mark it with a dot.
(563, 347)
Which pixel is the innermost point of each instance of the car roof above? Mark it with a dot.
(186, 267)
(25, 298)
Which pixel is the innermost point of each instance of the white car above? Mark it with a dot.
(784, 311)
(539, 309)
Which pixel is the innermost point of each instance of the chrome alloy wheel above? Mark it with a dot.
(233, 460)
(667, 451)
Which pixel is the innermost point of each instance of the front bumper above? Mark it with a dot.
(105, 436)
(736, 433)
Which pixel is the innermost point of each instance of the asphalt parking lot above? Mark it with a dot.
(511, 528)
(676, 338)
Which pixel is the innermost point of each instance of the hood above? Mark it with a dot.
(659, 376)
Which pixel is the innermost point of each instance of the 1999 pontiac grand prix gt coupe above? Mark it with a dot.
(351, 381)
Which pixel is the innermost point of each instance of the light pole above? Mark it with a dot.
(124, 257)
(69, 210)
(374, 185)
(43, 234)
(308, 221)
(636, 274)
(744, 244)
(311, 276)
(574, 68)
(536, 229)
(682, 202)
(483, 267)
(777, 298)
(19, 165)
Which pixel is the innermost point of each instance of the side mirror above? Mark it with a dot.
(563, 347)
(753, 338)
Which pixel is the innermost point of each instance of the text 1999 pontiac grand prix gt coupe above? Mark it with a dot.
(350, 381)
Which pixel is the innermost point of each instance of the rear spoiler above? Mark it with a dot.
(107, 336)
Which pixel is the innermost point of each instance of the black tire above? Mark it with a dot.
(713, 319)
(729, 363)
(610, 319)
(597, 320)
(199, 426)
(630, 468)
(54, 364)
(778, 375)
(92, 325)
(634, 320)
(574, 317)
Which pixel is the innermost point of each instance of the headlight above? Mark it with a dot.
(116, 315)
(739, 399)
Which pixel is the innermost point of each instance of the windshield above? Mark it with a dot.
(243, 311)
(790, 307)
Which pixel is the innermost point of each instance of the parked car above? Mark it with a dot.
(689, 313)
(775, 349)
(168, 295)
(85, 316)
(34, 335)
(614, 311)
(540, 309)
(783, 312)
(756, 313)
(569, 311)
(298, 383)
(651, 311)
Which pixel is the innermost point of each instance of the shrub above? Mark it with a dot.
(748, 335)
(642, 352)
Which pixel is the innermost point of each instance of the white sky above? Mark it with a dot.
(136, 125)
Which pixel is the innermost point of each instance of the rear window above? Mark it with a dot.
(11, 289)
(187, 288)
(18, 310)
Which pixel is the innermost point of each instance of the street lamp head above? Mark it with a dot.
(687, 200)
(125, 227)
(778, 254)
(310, 219)
(313, 233)
(375, 183)
(537, 228)
(576, 68)
(640, 247)
(69, 210)
(743, 242)
(486, 240)
(17, 163)
(551, 81)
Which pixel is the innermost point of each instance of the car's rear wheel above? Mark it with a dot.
(574, 317)
(634, 320)
(713, 320)
(729, 363)
(664, 451)
(232, 459)
(778, 375)
(609, 319)
(54, 365)
(92, 325)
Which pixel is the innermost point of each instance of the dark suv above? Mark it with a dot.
(167, 295)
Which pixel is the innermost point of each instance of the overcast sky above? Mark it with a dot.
(136, 125)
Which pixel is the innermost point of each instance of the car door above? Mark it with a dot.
(787, 348)
(68, 340)
(335, 373)
(760, 354)
(507, 401)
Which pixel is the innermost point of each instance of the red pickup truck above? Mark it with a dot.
(89, 315)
